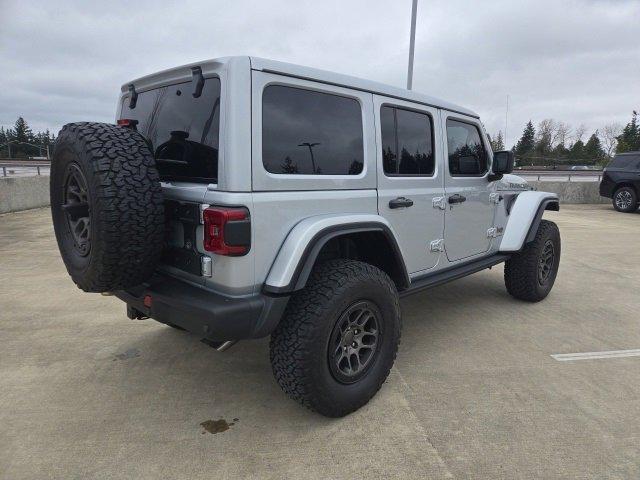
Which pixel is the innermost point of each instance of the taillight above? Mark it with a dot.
(127, 122)
(227, 231)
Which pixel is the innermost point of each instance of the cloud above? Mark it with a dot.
(575, 61)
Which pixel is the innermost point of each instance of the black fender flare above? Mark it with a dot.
(319, 240)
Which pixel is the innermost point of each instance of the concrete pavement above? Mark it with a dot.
(87, 393)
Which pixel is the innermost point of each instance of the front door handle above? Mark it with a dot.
(400, 202)
(457, 198)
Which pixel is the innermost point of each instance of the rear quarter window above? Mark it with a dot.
(305, 132)
(626, 162)
(181, 130)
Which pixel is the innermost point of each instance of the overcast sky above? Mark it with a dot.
(576, 61)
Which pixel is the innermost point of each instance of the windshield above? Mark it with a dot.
(181, 130)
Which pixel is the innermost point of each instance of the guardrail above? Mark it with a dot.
(542, 175)
(38, 165)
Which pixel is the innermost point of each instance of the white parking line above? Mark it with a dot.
(568, 357)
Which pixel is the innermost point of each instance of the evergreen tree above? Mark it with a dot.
(576, 152)
(289, 166)
(4, 150)
(527, 142)
(21, 141)
(629, 140)
(497, 144)
(592, 150)
(560, 151)
(22, 131)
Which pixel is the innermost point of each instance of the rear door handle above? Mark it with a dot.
(457, 198)
(400, 202)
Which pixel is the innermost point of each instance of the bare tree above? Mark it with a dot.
(579, 133)
(545, 135)
(563, 133)
(608, 136)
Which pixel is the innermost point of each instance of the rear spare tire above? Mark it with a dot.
(107, 206)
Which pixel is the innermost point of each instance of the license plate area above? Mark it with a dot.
(182, 220)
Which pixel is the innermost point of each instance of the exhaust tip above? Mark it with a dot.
(219, 346)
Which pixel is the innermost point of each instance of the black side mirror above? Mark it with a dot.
(502, 163)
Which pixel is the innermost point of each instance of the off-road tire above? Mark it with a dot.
(123, 212)
(631, 200)
(300, 344)
(521, 272)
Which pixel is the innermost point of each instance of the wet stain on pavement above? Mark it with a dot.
(217, 426)
(131, 353)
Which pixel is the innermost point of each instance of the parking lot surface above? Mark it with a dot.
(475, 393)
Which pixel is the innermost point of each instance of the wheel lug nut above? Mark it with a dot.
(353, 344)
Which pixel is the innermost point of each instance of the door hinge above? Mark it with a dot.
(439, 202)
(437, 245)
(495, 198)
(494, 232)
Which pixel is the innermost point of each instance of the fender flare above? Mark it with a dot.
(296, 258)
(524, 219)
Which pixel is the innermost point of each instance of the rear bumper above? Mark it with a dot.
(210, 315)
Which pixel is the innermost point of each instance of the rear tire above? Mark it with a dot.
(338, 338)
(530, 274)
(625, 200)
(107, 206)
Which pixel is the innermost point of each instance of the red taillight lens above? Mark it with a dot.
(127, 122)
(227, 231)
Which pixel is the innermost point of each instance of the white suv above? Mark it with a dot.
(240, 197)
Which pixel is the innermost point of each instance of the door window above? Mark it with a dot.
(467, 155)
(311, 133)
(407, 142)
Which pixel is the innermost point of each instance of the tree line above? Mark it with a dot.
(557, 143)
(551, 142)
(21, 142)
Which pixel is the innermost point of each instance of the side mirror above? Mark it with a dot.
(502, 163)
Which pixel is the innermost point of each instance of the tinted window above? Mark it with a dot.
(182, 131)
(407, 144)
(467, 155)
(307, 132)
(626, 162)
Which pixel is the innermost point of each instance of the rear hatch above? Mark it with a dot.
(181, 124)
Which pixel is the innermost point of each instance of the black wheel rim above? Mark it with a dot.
(624, 200)
(76, 209)
(546, 262)
(354, 342)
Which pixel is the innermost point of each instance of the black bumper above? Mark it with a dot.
(210, 315)
(607, 186)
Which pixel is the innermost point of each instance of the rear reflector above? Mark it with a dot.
(227, 231)
(147, 301)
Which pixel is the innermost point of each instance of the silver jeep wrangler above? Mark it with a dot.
(240, 197)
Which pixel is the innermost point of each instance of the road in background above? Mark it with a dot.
(23, 168)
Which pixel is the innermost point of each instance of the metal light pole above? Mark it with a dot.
(310, 145)
(412, 44)
(506, 123)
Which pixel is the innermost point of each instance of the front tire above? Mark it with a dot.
(625, 200)
(338, 338)
(530, 274)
